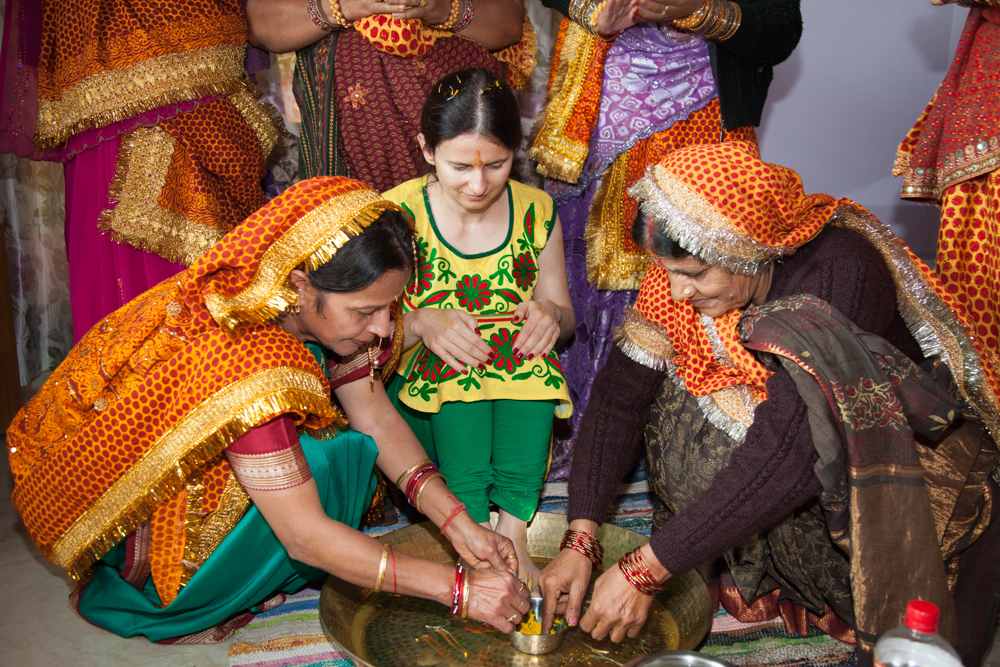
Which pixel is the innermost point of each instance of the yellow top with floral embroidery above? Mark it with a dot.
(488, 286)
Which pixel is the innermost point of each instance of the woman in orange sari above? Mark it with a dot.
(186, 463)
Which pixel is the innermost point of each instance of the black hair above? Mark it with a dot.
(655, 239)
(471, 101)
(386, 244)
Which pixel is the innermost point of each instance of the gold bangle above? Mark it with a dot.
(453, 15)
(735, 17)
(691, 20)
(381, 568)
(465, 594)
(338, 16)
(399, 482)
(423, 485)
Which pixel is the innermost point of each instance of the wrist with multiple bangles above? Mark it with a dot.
(584, 543)
(420, 473)
(716, 19)
(460, 593)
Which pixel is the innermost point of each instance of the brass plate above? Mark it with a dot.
(385, 630)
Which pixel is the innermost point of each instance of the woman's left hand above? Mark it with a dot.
(617, 608)
(481, 547)
(541, 328)
(665, 11)
(433, 12)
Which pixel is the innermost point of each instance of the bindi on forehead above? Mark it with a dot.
(478, 162)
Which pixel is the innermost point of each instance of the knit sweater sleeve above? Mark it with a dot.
(768, 33)
(771, 474)
(611, 436)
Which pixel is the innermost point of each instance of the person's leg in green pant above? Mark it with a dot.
(522, 431)
(462, 437)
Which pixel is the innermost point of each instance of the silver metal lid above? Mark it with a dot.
(677, 659)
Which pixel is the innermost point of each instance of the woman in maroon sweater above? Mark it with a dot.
(786, 366)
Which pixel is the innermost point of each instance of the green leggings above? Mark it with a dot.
(487, 450)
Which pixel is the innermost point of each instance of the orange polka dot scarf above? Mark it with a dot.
(724, 205)
(129, 430)
(412, 38)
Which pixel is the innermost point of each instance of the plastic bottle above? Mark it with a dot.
(916, 643)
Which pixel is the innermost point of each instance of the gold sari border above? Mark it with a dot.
(309, 244)
(198, 438)
(262, 117)
(138, 220)
(931, 321)
(975, 159)
(271, 471)
(609, 265)
(698, 227)
(114, 95)
(232, 506)
(643, 341)
(557, 155)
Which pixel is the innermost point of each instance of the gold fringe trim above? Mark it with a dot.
(692, 221)
(609, 265)
(930, 320)
(310, 243)
(193, 521)
(197, 439)
(389, 367)
(115, 95)
(140, 175)
(261, 116)
(232, 506)
(558, 156)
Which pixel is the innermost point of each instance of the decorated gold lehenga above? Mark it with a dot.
(119, 472)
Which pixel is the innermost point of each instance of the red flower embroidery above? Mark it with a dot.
(473, 292)
(525, 271)
(502, 344)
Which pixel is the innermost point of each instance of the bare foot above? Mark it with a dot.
(517, 531)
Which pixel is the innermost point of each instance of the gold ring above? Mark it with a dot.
(663, 12)
(519, 606)
(423, 3)
(512, 618)
(509, 556)
(521, 589)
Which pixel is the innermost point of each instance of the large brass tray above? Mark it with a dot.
(384, 630)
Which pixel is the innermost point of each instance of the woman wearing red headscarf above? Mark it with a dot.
(789, 364)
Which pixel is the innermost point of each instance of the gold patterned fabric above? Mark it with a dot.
(131, 426)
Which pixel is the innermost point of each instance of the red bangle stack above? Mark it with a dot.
(585, 543)
(460, 593)
(637, 573)
(423, 472)
(463, 22)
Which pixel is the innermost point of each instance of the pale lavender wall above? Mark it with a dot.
(839, 107)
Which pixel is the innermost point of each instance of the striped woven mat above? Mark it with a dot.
(292, 634)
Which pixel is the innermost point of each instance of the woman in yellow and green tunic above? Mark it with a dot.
(478, 382)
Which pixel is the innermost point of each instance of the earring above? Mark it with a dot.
(294, 308)
(416, 258)
(373, 361)
(688, 291)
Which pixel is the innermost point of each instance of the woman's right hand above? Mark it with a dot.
(616, 16)
(564, 583)
(452, 335)
(497, 597)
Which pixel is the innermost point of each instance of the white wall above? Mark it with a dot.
(838, 108)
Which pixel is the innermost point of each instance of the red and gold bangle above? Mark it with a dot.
(637, 573)
(392, 555)
(585, 543)
(457, 590)
(466, 19)
(317, 16)
(420, 489)
(338, 16)
(693, 20)
(422, 471)
(411, 469)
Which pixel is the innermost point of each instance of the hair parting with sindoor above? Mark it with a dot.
(386, 244)
(646, 233)
(471, 101)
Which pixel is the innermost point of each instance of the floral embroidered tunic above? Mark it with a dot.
(489, 286)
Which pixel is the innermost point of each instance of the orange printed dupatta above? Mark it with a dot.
(131, 427)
